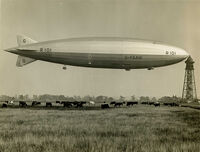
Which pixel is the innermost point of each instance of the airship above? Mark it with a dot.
(98, 52)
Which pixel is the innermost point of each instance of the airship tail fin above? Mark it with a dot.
(23, 40)
(21, 61)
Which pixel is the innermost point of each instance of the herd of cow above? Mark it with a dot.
(48, 104)
(77, 104)
(131, 103)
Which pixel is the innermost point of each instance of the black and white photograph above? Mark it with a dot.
(99, 75)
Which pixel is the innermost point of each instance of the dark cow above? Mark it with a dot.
(76, 103)
(4, 105)
(22, 104)
(173, 104)
(156, 104)
(58, 102)
(144, 102)
(151, 103)
(170, 104)
(112, 103)
(62, 102)
(48, 104)
(34, 103)
(79, 103)
(118, 104)
(82, 103)
(166, 104)
(67, 104)
(104, 106)
(131, 103)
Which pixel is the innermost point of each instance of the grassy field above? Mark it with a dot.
(140, 128)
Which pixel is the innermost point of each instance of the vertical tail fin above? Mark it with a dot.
(23, 40)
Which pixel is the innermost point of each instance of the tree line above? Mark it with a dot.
(101, 98)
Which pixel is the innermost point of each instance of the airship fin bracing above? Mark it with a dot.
(98, 52)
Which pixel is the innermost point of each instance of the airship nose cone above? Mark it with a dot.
(186, 54)
(183, 54)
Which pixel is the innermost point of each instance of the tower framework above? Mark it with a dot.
(189, 87)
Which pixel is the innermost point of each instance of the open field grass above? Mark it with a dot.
(141, 128)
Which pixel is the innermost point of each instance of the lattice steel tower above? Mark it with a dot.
(189, 87)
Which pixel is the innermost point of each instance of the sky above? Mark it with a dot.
(175, 22)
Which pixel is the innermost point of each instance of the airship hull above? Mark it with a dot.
(103, 53)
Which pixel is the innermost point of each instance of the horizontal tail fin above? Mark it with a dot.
(23, 40)
(21, 61)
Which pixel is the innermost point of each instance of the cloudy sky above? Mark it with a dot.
(174, 22)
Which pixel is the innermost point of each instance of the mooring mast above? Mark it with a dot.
(189, 87)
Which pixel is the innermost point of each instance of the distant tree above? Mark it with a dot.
(60, 97)
(21, 97)
(176, 99)
(121, 98)
(133, 98)
(70, 99)
(45, 97)
(100, 98)
(26, 97)
(154, 99)
(87, 98)
(110, 99)
(144, 99)
(77, 98)
(93, 98)
(5, 97)
(147, 98)
(170, 99)
(35, 97)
